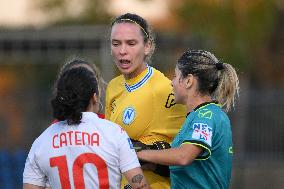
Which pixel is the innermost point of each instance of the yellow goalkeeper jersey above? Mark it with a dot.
(144, 106)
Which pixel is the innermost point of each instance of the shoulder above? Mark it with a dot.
(205, 113)
(159, 75)
(213, 110)
(53, 128)
(116, 85)
(115, 131)
(40, 141)
(163, 92)
(161, 86)
(110, 126)
(211, 114)
(159, 81)
(117, 80)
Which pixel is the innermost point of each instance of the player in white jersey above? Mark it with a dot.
(81, 150)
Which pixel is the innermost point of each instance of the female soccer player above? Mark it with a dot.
(81, 150)
(141, 98)
(201, 153)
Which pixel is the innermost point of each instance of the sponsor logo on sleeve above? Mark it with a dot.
(231, 151)
(170, 101)
(128, 115)
(202, 132)
(205, 113)
(112, 106)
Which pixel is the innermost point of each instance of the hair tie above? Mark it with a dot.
(219, 66)
(60, 99)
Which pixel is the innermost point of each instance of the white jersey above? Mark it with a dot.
(92, 154)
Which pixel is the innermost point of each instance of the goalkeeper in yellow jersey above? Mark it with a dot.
(141, 100)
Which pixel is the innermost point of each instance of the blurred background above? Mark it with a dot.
(37, 37)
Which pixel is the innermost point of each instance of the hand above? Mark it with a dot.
(138, 146)
(162, 170)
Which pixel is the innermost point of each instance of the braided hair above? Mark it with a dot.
(215, 78)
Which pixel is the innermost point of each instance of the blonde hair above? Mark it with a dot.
(228, 87)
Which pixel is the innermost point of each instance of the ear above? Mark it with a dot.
(189, 81)
(94, 98)
(93, 104)
(96, 103)
(148, 46)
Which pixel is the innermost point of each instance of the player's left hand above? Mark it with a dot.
(138, 146)
(160, 145)
(162, 170)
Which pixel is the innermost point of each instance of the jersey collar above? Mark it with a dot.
(141, 79)
(203, 105)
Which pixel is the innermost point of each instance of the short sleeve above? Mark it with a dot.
(199, 132)
(32, 172)
(127, 154)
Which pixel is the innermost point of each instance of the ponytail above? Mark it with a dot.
(228, 88)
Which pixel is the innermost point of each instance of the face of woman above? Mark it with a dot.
(128, 49)
(179, 87)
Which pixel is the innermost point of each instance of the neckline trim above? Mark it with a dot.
(137, 85)
(203, 105)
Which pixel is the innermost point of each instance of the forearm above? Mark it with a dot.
(31, 186)
(136, 179)
(159, 156)
(182, 155)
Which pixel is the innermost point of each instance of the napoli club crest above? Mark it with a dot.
(128, 115)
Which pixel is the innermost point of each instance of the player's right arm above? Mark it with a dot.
(33, 176)
(136, 178)
(129, 164)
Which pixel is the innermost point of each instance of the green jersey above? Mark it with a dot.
(209, 128)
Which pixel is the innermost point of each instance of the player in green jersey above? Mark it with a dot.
(201, 153)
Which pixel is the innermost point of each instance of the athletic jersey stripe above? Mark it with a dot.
(202, 145)
(141, 82)
(127, 88)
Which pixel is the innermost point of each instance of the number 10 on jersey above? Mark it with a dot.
(77, 169)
